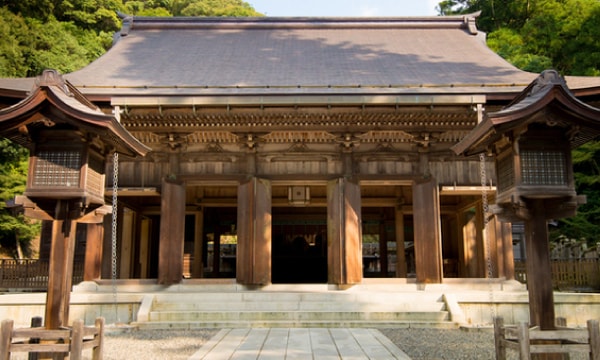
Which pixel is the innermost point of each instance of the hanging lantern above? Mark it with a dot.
(66, 166)
(537, 164)
(69, 139)
(531, 141)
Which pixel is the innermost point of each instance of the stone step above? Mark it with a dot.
(185, 325)
(260, 296)
(339, 306)
(295, 316)
(281, 308)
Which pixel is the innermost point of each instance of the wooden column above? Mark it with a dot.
(428, 242)
(401, 271)
(507, 251)
(253, 260)
(539, 271)
(172, 233)
(93, 252)
(501, 233)
(198, 266)
(60, 270)
(344, 238)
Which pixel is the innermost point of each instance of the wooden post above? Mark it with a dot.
(5, 339)
(198, 266)
(93, 252)
(60, 271)
(539, 271)
(36, 322)
(97, 352)
(594, 334)
(172, 233)
(76, 347)
(401, 270)
(253, 260)
(428, 242)
(524, 345)
(507, 251)
(499, 338)
(344, 234)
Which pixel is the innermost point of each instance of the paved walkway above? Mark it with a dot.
(299, 344)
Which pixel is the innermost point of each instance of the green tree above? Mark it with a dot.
(586, 224)
(16, 231)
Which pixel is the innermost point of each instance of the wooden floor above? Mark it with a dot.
(299, 344)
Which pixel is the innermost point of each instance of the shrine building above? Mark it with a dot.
(296, 150)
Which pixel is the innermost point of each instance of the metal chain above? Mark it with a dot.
(114, 231)
(488, 251)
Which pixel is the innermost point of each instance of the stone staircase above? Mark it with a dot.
(298, 307)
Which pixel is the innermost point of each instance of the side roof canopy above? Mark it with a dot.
(547, 99)
(55, 102)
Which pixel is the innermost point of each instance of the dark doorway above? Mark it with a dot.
(219, 242)
(299, 245)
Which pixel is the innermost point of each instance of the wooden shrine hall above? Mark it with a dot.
(299, 150)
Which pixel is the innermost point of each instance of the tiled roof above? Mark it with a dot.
(299, 55)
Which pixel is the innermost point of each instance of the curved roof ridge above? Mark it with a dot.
(466, 22)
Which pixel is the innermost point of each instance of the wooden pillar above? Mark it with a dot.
(93, 252)
(172, 233)
(126, 250)
(344, 238)
(507, 251)
(198, 265)
(383, 250)
(60, 270)
(253, 260)
(145, 230)
(401, 271)
(539, 271)
(501, 235)
(428, 242)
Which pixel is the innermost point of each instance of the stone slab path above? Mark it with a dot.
(299, 344)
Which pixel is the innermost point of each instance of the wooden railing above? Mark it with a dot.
(568, 274)
(30, 274)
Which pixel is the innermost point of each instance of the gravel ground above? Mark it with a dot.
(429, 344)
(419, 344)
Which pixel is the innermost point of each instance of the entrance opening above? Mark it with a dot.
(220, 242)
(299, 245)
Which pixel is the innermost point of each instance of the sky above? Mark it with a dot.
(375, 8)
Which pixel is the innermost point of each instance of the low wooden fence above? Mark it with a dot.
(527, 341)
(72, 341)
(30, 274)
(568, 274)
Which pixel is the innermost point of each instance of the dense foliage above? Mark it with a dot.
(535, 35)
(539, 34)
(16, 232)
(66, 35)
